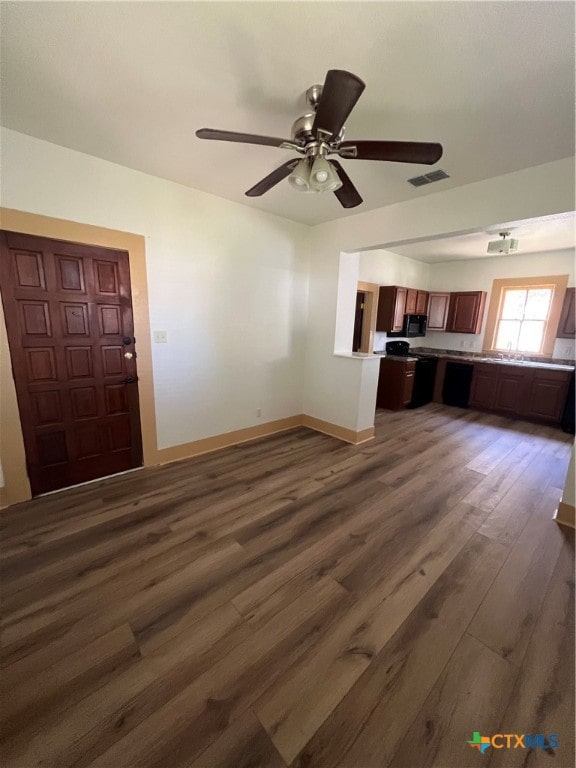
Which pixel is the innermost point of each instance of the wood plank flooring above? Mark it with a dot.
(298, 602)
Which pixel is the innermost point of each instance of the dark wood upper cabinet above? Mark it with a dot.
(411, 301)
(466, 312)
(438, 304)
(391, 308)
(421, 302)
(566, 326)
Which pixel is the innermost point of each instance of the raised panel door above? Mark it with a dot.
(547, 392)
(399, 309)
(466, 312)
(437, 311)
(421, 302)
(511, 389)
(411, 301)
(68, 315)
(408, 386)
(484, 383)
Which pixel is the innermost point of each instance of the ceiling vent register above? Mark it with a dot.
(428, 178)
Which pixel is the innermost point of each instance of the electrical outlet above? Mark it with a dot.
(160, 337)
(258, 412)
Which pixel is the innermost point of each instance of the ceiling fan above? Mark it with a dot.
(320, 133)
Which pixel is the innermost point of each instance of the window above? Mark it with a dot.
(523, 315)
(523, 319)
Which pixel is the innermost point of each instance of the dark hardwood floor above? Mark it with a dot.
(296, 601)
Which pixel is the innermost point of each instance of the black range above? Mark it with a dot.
(424, 375)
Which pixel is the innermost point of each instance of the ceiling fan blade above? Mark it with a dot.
(340, 92)
(348, 195)
(272, 179)
(392, 151)
(246, 138)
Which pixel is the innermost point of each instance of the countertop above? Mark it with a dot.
(552, 366)
(518, 363)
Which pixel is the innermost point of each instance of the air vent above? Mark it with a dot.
(428, 178)
(418, 181)
(436, 175)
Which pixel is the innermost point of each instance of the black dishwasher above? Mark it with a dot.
(457, 383)
(424, 380)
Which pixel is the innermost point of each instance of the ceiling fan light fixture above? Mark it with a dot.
(300, 176)
(323, 177)
(320, 133)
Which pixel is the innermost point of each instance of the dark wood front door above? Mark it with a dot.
(70, 328)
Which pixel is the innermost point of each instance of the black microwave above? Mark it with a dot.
(414, 325)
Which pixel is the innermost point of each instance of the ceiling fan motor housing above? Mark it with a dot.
(302, 132)
(302, 128)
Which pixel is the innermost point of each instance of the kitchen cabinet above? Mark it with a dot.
(520, 391)
(416, 302)
(466, 312)
(421, 302)
(395, 383)
(438, 311)
(483, 390)
(391, 308)
(510, 389)
(566, 326)
(546, 396)
(411, 300)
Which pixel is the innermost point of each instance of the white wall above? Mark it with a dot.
(478, 275)
(386, 268)
(228, 284)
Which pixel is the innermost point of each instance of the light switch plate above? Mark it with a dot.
(160, 337)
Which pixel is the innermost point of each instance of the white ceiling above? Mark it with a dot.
(542, 235)
(131, 82)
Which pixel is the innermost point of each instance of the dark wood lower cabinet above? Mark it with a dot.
(518, 391)
(510, 389)
(483, 390)
(395, 384)
(547, 392)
